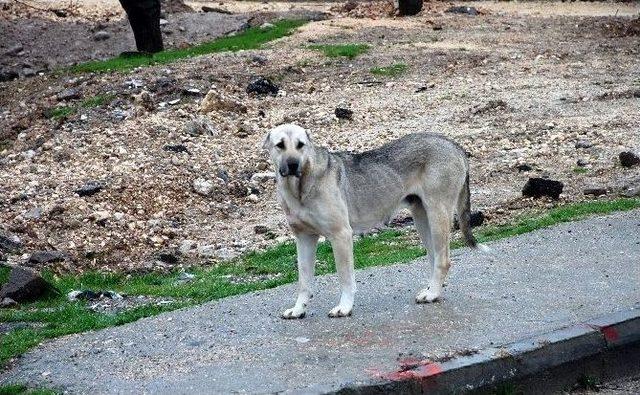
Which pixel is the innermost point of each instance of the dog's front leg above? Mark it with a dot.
(342, 243)
(306, 246)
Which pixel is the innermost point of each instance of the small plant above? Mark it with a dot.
(96, 101)
(580, 170)
(346, 50)
(389, 71)
(58, 113)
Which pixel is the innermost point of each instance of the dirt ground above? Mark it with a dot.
(544, 84)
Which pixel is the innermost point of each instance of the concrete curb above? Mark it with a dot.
(493, 366)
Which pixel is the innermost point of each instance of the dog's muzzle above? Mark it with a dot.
(290, 167)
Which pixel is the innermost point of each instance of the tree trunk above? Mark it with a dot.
(144, 17)
(409, 7)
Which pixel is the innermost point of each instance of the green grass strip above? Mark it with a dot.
(19, 389)
(336, 50)
(57, 316)
(389, 71)
(252, 38)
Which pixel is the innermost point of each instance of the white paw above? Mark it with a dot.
(340, 311)
(290, 314)
(428, 295)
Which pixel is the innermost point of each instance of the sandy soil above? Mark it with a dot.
(565, 73)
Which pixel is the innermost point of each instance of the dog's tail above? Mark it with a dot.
(464, 217)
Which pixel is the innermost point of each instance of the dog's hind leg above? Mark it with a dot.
(342, 244)
(421, 221)
(440, 217)
(306, 246)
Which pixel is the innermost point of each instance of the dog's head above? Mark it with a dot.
(289, 146)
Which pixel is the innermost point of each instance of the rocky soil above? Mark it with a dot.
(154, 176)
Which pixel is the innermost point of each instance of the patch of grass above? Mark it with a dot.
(389, 71)
(336, 50)
(252, 38)
(57, 113)
(580, 170)
(19, 389)
(4, 274)
(96, 101)
(56, 316)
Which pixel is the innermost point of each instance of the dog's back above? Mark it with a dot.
(375, 183)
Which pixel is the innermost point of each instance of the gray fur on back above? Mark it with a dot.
(376, 183)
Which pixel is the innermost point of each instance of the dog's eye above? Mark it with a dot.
(300, 145)
(280, 145)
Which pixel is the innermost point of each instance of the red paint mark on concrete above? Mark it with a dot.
(610, 333)
(415, 372)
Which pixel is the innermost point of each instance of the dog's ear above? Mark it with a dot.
(306, 131)
(266, 144)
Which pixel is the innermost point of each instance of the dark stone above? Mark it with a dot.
(538, 187)
(223, 175)
(90, 188)
(168, 257)
(409, 7)
(350, 6)
(583, 144)
(28, 72)
(343, 113)
(9, 242)
(68, 94)
(260, 229)
(262, 86)
(101, 35)
(8, 75)
(401, 222)
(463, 10)
(628, 159)
(476, 219)
(88, 294)
(42, 257)
(206, 8)
(14, 50)
(582, 162)
(60, 13)
(24, 285)
(524, 167)
(595, 191)
(260, 60)
(176, 148)
(6, 303)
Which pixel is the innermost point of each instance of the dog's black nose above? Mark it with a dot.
(292, 167)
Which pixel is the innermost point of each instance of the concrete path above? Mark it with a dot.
(535, 283)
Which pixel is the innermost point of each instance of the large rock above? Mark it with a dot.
(24, 285)
(539, 187)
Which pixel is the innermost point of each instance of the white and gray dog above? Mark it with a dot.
(335, 194)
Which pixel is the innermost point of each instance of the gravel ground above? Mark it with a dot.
(513, 86)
